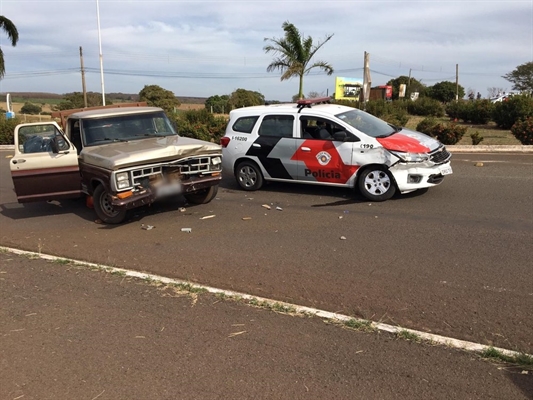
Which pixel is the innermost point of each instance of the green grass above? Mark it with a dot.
(522, 359)
(406, 335)
(491, 134)
(360, 325)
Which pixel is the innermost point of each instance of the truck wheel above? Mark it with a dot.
(104, 209)
(376, 184)
(249, 176)
(203, 196)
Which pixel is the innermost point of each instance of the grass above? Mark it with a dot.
(407, 335)
(523, 360)
(491, 134)
(360, 325)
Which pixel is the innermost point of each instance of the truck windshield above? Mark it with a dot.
(123, 128)
(367, 123)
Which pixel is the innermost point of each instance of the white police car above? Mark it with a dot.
(315, 142)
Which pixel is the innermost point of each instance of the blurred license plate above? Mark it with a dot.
(446, 170)
(168, 189)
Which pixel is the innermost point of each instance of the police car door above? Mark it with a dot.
(274, 147)
(45, 164)
(321, 158)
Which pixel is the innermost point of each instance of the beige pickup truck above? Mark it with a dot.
(120, 157)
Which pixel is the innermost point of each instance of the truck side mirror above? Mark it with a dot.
(58, 143)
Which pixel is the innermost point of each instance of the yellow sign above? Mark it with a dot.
(348, 88)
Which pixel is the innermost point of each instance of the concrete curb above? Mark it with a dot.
(472, 347)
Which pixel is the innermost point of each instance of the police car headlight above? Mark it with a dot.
(410, 157)
(122, 180)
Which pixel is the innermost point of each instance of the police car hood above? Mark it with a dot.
(409, 141)
(126, 154)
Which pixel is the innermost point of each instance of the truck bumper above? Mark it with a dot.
(147, 196)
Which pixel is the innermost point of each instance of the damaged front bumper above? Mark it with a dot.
(411, 176)
(143, 196)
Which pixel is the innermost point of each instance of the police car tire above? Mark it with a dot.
(376, 184)
(103, 208)
(203, 196)
(249, 176)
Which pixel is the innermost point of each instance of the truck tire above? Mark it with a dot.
(202, 196)
(104, 209)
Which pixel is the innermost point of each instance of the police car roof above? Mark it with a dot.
(290, 108)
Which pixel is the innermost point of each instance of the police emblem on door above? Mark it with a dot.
(323, 158)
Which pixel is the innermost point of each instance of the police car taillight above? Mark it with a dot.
(224, 141)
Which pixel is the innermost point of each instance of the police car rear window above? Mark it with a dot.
(244, 124)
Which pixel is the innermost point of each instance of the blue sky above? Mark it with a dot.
(203, 48)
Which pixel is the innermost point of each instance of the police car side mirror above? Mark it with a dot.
(343, 136)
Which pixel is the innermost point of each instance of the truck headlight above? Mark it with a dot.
(410, 157)
(216, 160)
(123, 180)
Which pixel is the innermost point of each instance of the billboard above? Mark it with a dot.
(348, 88)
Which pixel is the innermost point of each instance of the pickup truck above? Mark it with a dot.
(119, 157)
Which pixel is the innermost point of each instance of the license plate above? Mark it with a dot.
(446, 170)
(168, 189)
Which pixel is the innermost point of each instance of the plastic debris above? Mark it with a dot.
(478, 164)
(246, 218)
(279, 208)
(54, 202)
(346, 212)
(340, 217)
(343, 237)
(208, 216)
(250, 198)
(182, 209)
(147, 227)
(266, 206)
(186, 230)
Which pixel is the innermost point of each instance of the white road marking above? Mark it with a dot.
(430, 337)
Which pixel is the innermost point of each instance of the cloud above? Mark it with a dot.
(202, 48)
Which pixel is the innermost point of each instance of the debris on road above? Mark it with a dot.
(236, 333)
(478, 164)
(182, 209)
(208, 216)
(187, 230)
(266, 206)
(246, 218)
(279, 208)
(343, 237)
(147, 227)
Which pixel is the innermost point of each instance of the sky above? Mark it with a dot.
(202, 48)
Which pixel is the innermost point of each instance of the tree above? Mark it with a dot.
(29, 108)
(245, 98)
(75, 100)
(293, 54)
(522, 77)
(412, 85)
(217, 104)
(156, 96)
(11, 31)
(445, 91)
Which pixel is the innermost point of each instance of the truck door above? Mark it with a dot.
(45, 164)
(322, 158)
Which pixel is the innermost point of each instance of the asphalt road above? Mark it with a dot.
(454, 261)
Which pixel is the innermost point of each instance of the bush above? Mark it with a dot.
(455, 109)
(426, 107)
(29, 108)
(507, 113)
(523, 131)
(201, 124)
(394, 113)
(426, 125)
(448, 133)
(476, 138)
(7, 129)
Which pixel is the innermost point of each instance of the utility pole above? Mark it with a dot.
(367, 82)
(101, 57)
(83, 79)
(456, 83)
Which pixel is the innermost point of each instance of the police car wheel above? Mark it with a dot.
(376, 184)
(248, 176)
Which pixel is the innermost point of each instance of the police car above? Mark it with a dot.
(316, 142)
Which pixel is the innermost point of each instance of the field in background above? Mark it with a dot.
(490, 133)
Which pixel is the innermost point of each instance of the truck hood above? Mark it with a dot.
(409, 141)
(118, 155)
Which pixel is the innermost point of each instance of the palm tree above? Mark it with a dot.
(13, 35)
(294, 53)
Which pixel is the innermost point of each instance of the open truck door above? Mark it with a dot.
(45, 164)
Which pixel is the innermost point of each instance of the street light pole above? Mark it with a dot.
(101, 57)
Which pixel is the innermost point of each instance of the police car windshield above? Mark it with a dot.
(367, 123)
